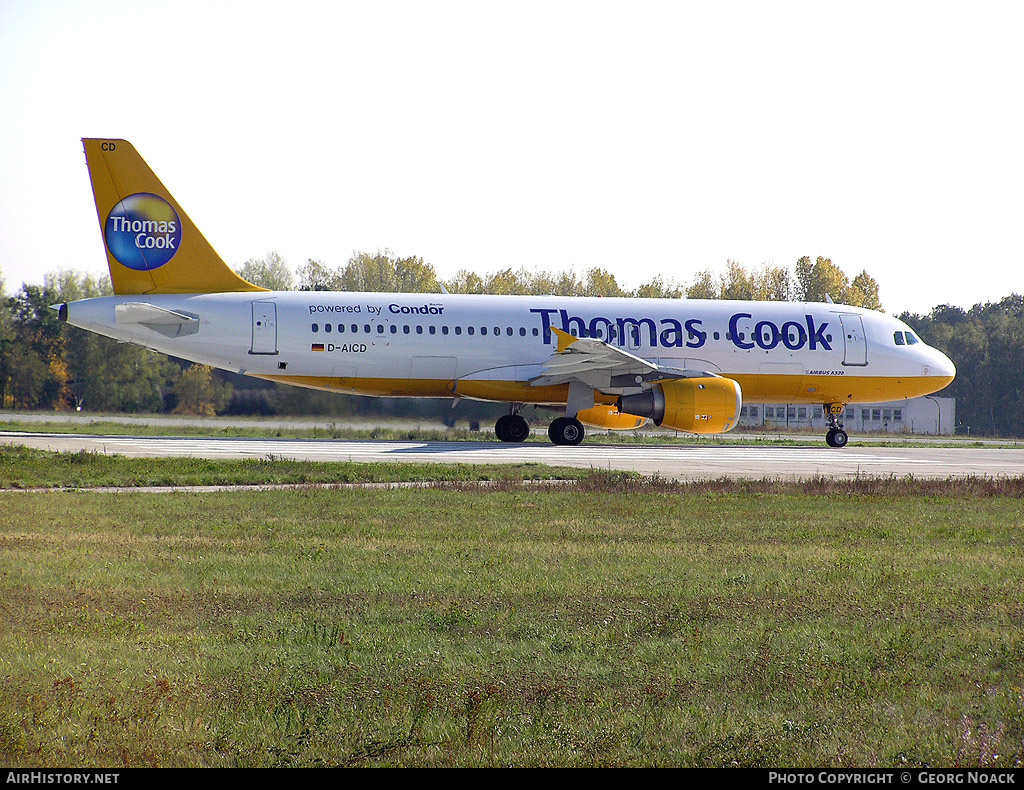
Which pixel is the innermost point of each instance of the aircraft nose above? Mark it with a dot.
(939, 365)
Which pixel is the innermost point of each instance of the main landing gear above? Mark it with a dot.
(836, 436)
(512, 428)
(563, 430)
(566, 430)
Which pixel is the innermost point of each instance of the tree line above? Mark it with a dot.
(47, 365)
(808, 281)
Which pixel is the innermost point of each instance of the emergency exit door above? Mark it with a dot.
(264, 328)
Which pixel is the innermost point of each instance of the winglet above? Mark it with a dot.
(564, 339)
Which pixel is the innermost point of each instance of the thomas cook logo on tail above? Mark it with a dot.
(143, 231)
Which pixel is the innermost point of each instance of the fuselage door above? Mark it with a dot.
(856, 344)
(264, 328)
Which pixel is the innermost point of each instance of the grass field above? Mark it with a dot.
(24, 467)
(609, 621)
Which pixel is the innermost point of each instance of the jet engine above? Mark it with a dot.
(709, 404)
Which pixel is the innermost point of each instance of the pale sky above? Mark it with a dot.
(645, 138)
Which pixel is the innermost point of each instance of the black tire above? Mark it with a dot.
(830, 436)
(840, 438)
(517, 429)
(566, 430)
(501, 428)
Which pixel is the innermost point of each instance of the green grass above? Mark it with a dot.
(23, 467)
(612, 621)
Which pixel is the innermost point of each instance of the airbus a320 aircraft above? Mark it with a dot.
(609, 363)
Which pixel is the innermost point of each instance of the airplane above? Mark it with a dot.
(685, 364)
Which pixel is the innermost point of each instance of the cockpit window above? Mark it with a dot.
(904, 338)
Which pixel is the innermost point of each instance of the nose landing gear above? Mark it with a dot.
(836, 436)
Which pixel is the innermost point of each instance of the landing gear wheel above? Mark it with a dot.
(566, 430)
(512, 428)
(517, 428)
(836, 438)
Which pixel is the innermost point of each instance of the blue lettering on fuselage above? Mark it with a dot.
(672, 333)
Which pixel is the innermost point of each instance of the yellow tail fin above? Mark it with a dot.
(152, 246)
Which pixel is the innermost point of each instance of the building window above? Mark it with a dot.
(897, 415)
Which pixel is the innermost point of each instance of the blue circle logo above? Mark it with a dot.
(143, 232)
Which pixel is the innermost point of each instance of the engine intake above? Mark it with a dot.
(700, 405)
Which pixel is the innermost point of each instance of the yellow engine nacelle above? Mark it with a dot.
(611, 418)
(700, 405)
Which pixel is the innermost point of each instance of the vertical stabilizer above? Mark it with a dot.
(152, 246)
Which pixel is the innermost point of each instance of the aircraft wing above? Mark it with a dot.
(603, 366)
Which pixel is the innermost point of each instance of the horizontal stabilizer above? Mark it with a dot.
(170, 323)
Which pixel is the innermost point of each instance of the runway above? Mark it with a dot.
(678, 462)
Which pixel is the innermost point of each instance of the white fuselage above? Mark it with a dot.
(491, 347)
